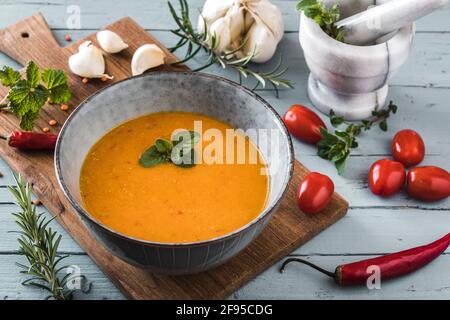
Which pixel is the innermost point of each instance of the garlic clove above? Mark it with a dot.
(146, 57)
(110, 41)
(270, 15)
(236, 22)
(88, 62)
(222, 32)
(261, 38)
(213, 10)
(248, 21)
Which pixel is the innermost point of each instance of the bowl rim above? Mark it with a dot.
(123, 236)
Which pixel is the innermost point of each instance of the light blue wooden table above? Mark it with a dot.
(372, 226)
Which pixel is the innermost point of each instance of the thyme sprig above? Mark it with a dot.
(336, 147)
(195, 42)
(39, 244)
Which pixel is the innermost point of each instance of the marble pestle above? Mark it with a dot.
(367, 26)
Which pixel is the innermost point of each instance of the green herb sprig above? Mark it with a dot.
(28, 95)
(39, 244)
(324, 17)
(336, 147)
(197, 42)
(179, 151)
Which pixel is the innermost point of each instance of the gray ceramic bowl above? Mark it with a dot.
(175, 91)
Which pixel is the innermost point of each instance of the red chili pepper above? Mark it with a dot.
(26, 140)
(391, 265)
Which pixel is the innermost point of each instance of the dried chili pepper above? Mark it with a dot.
(391, 265)
(26, 140)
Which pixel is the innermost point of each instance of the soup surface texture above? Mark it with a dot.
(167, 203)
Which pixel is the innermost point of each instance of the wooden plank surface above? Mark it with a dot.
(288, 228)
(372, 226)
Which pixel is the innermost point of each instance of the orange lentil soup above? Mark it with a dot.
(167, 203)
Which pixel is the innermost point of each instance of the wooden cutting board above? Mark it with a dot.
(31, 39)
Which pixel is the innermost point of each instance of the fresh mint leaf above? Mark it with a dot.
(163, 146)
(186, 137)
(179, 159)
(172, 151)
(9, 76)
(183, 153)
(56, 82)
(33, 74)
(152, 157)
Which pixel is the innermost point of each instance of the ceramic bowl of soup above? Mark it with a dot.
(162, 215)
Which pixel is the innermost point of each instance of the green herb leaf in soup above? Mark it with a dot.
(180, 151)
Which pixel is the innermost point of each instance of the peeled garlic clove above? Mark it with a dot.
(88, 62)
(110, 41)
(146, 57)
(261, 38)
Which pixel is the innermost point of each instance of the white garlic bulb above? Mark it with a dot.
(88, 62)
(110, 41)
(259, 22)
(262, 41)
(146, 57)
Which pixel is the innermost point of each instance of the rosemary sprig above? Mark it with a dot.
(196, 42)
(324, 17)
(39, 244)
(336, 147)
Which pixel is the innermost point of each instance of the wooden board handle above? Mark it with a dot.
(29, 39)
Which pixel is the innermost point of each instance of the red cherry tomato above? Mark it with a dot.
(386, 177)
(314, 192)
(303, 124)
(408, 147)
(428, 183)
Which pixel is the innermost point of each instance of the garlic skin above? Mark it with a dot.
(269, 15)
(146, 57)
(233, 21)
(110, 41)
(261, 40)
(88, 62)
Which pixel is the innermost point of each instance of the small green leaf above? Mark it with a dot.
(336, 121)
(152, 157)
(25, 98)
(163, 146)
(9, 76)
(383, 125)
(340, 165)
(305, 3)
(181, 162)
(56, 82)
(33, 74)
(186, 137)
(183, 154)
(27, 120)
